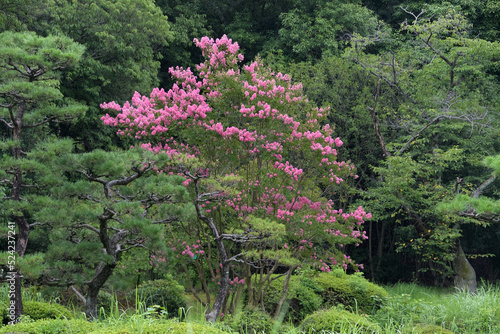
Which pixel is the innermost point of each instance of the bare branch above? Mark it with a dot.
(415, 17)
(39, 123)
(166, 220)
(78, 294)
(9, 125)
(476, 193)
(89, 227)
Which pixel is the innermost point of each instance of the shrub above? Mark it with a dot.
(303, 298)
(51, 326)
(430, 329)
(252, 319)
(167, 293)
(107, 302)
(337, 320)
(38, 310)
(162, 328)
(353, 291)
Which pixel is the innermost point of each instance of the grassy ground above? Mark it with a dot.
(410, 309)
(459, 312)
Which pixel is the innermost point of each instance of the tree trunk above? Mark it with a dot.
(212, 315)
(465, 278)
(91, 304)
(103, 272)
(22, 225)
(286, 284)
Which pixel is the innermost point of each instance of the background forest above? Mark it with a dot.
(402, 98)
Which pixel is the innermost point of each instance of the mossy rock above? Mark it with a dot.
(337, 320)
(252, 320)
(38, 310)
(162, 328)
(430, 329)
(355, 292)
(51, 326)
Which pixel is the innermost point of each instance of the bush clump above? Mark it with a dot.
(167, 293)
(353, 291)
(304, 298)
(430, 329)
(38, 310)
(252, 320)
(162, 328)
(337, 320)
(51, 326)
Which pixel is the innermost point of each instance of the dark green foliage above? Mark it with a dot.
(353, 291)
(105, 300)
(337, 320)
(52, 326)
(167, 293)
(252, 320)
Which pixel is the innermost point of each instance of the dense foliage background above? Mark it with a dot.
(414, 95)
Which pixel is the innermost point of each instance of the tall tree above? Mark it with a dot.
(446, 90)
(257, 160)
(123, 41)
(30, 100)
(113, 202)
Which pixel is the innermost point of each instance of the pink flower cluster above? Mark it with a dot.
(240, 118)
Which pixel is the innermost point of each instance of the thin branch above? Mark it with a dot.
(78, 294)
(476, 193)
(166, 220)
(89, 227)
(39, 123)
(375, 120)
(9, 125)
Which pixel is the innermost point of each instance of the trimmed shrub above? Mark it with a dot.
(162, 328)
(353, 291)
(167, 293)
(38, 310)
(337, 320)
(252, 319)
(51, 326)
(430, 329)
(303, 298)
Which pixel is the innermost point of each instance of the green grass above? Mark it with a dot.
(460, 312)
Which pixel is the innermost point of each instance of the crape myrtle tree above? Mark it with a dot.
(30, 100)
(111, 203)
(256, 158)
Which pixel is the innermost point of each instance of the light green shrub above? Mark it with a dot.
(162, 328)
(355, 292)
(51, 326)
(38, 310)
(429, 329)
(337, 320)
(252, 319)
(303, 298)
